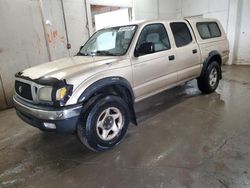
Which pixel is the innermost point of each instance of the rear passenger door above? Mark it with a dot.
(152, 72)
(187, 51)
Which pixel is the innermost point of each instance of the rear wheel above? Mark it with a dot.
(209, 82)
(104, 124)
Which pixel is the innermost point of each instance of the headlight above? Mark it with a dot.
(61, 93)
(45, 94)
(56, 95)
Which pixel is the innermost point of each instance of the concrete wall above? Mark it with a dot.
(54, 28)
(116, 3)
(168, 9)
(76, 20)
(207, 8)
(33, 32)
(22, 40)
(155, 9)
(242, 48)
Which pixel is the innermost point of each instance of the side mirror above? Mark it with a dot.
(145, 48)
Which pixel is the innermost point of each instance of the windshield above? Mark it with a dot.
(109, 42)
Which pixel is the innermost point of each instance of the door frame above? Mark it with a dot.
(116, 3)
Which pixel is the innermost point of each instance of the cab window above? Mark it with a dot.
(208, 30)
(156, 34)
(181, 33)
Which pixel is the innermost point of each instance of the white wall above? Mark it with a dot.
(54, 28)
(117, 3)
(207, 8)
(145, 9)
(243, 35)
(155, 9)
(168, 9)
(76, 20)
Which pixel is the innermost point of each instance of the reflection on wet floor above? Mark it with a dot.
(184, 139)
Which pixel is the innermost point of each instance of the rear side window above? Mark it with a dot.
(208, 30)
(182, 35)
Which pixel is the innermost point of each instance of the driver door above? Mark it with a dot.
(152, 72)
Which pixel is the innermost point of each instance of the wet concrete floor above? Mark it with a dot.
(184, 139)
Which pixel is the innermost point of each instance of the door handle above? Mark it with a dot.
(194, 51)
(171, 58)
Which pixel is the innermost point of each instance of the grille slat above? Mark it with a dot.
(23, 89)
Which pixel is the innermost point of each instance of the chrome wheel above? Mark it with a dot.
(109, 123)
(213, 77)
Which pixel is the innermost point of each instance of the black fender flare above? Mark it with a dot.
(120, 84)
(212, 56)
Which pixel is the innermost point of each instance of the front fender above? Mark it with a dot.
(121, 85)
(105, 82)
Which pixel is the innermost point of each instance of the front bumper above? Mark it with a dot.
(64, 119)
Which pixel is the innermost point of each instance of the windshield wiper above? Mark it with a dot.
(103, 52)
(96, 53)
(81, 54)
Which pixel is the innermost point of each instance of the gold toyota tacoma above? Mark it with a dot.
(93, 93)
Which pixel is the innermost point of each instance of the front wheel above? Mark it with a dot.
(209, 82)
(104, 124)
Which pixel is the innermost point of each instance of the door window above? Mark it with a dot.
(182, 35)
(156, 34)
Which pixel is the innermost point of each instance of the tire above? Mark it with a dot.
(209, 82)
(104, 123)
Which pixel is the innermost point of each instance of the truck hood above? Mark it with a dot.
(66, 67)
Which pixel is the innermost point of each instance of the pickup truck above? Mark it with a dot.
(93, 93)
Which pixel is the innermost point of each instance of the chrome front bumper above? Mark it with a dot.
(64, 118)
(46, 113)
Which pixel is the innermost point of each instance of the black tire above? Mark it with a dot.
(204, 84)
(88, 131)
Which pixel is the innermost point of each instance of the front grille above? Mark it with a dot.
(23, 89)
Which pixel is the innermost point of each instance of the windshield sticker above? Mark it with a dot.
(128, 28)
